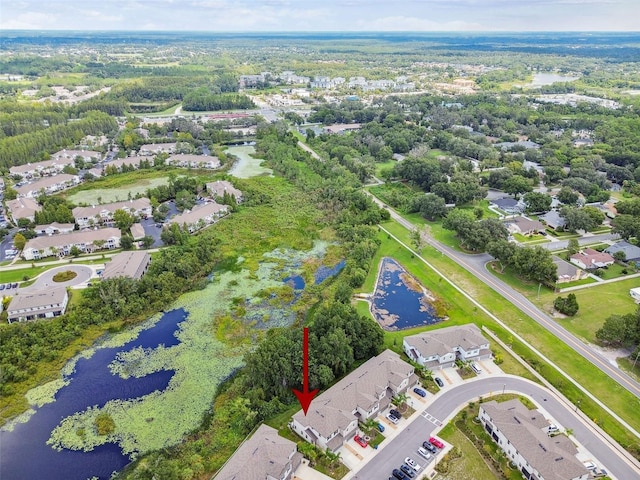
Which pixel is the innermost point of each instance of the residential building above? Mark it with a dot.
(342, 128)
(263, 456)
(137, 231)
(441, 348)
(200, 216)
(32, 305)
(333, 416)
(218, 188)
(24, 207)
(128, 161)
(87, 241)
(568, 272)
(590, 259)
(54, 228)
(133, 264)
(553, 220)
(193, 161)
(524, 226)
(635, 294)
(53, 166)
(523, 435)
(508, 205)
(85, 155)
(48, 185)
(154, 148)
(99, 214)
(631, 252)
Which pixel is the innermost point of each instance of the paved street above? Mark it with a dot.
(444, 406)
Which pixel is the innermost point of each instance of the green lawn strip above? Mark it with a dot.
(18, 275)
(577, 283)
(615, 271)
(384, 165)
(530, 239)
(610, 392)
(470, 465)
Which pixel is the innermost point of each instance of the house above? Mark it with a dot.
(54, 228)
(441, 348)
(40, 169)
(97, 214)
(526, 144)
(568, 272)
(200, 216)
(85, 155)
(524, 226)
(128, 162)
(25, 207)
(133, 264)
(508, 205)
(631, 252)
(590, 259)
(48, 185)
(523, 436)
(635, 294)
(553, 220)
(193, 161)
(342, 128)
(218, 188)
(60, 245)
(154, 148)
(333, 416)
(264, 455)
(32, 305)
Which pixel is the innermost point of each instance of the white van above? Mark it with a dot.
(476, 368)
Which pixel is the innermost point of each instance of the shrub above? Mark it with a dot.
(105, 424)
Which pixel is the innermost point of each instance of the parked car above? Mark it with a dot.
(424, 453)
(429, 447)
(395, 413)
(412, 463)
(393, 419)
(361, 441)
(476, 368)
(2, 286)
(435, 442)
(398, 474)
(14, 285)
(380, 427)
(439, 381)
(406, 469)
(420, 392)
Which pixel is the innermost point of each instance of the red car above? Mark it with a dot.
(435, 442)
(361, 441)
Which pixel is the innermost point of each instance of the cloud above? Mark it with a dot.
(414, 24)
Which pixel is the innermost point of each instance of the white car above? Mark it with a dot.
(411, 462)
(423, 452)
(392, 419)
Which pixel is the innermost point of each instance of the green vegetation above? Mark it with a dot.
(64, 276)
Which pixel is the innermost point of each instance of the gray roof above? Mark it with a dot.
(45, 183)
(219, 187)
(23, 207)
(443, 341)
(87, 236)
(198, 212)
(505, 202)
(553, 219)
(333, 409)
(264, 453)
(94, 211)
(631, 251)
(127, 264)
(39, 298)
(565, 269)
(554, 457)
(526, 224)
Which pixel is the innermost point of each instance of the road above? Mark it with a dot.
(407, 442)
(475, 264)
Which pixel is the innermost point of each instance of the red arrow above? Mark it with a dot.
(305, 396)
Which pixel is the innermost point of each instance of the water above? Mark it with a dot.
(25, 455)
(399, 301)
(541, 79)
(325, 272)
(246, 166)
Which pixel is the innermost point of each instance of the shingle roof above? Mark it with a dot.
(553, 457)
(39, 298)
(127, 264)
(94, 211)
(219, 187)
(333, 409)
(44, 183)
(198, 212)
(631, 251)
(87, 236)
(23, 207)
(443, 341)
(264, 453)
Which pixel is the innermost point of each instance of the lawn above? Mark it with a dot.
(470, 465)
(615, 271)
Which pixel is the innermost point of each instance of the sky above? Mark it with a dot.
(322, 15)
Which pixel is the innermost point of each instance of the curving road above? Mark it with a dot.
(606, 454)
(475, 264)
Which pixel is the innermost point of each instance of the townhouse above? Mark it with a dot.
(133, 264)
(100, 214)
(61, 245)
(24, 207)
(32, 305)
(200, 216)
(193, 161)
(218, 188)
(48, 185)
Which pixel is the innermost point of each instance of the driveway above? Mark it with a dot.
(45, 280)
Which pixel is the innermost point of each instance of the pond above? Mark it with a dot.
(541, 79)
(247, 166)
(156, 381)
(25, 453)
(400, 301)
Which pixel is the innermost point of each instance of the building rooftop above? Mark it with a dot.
(40, 298)
(94, 211)
(631, 251)
(198, 212)
(45, 183)
(87, 236)
(443, 341)
(127, 264)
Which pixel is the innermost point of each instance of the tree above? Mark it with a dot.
(123, 220)
(536, 264)
(147, 241)
(619, 330)
(19, 241)
(537, 202)
(416, 239)
(567, 196)
(24, 223)
(626, 226)
(126, 242)
(567, 306)
(503, 251)
(185, 200)
(620, 256)
(431, 206)
(517, 184)
(573, 247)
(578, 219)
(75, 251)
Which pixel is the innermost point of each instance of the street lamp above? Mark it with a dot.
(577, 405)
(503, 387)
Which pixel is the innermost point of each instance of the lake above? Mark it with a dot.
(541, 79)
(246, 166)
(399, 300)
(25, 453)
